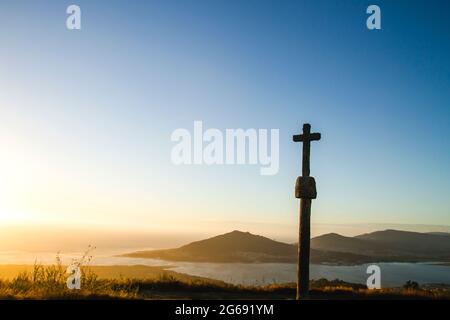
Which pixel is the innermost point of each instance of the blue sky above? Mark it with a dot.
(86, 116)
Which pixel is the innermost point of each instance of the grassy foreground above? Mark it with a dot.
(145, 282)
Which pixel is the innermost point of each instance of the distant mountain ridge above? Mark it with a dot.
(332, 248)
(389, 244)
(411, 243)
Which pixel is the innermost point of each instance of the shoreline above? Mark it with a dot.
(143, 272)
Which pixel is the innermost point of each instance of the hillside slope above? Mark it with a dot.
(380, 246)
(235, 246)
(240, 246)
(410, 243)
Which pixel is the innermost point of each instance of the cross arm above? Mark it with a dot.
(309, 137)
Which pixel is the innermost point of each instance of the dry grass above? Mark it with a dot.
(49, 282)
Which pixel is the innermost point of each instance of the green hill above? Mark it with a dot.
(235, 246)
(240, 246)
(379, 246)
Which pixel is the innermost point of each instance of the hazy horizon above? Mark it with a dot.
(53, 238)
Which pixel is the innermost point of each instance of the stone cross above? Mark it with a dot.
(305, 190)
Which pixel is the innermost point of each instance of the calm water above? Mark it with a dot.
(392, 274)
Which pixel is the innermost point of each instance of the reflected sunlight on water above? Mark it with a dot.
(392, 274)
